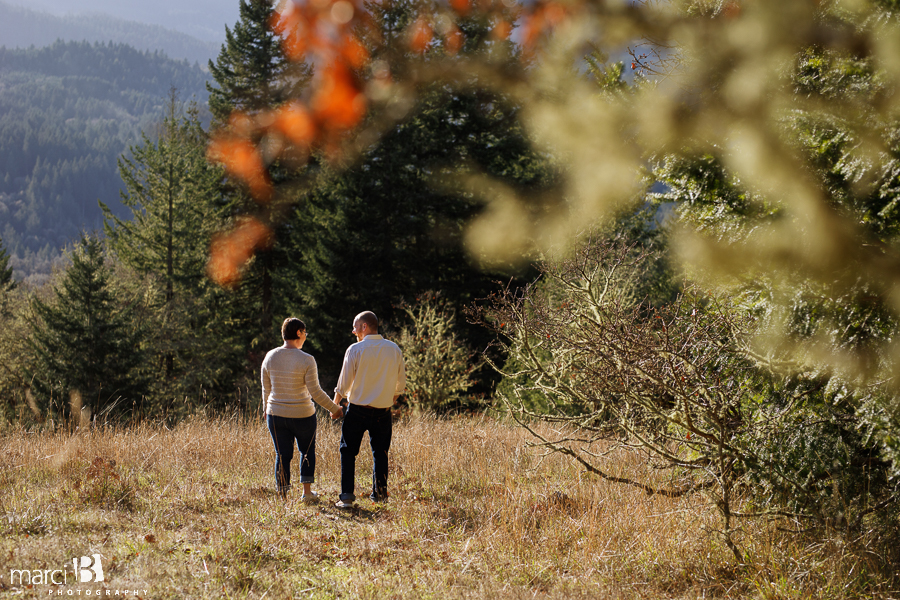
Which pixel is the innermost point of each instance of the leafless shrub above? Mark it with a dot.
(671, 384)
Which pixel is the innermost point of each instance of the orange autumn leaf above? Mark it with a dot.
(284, 24)
(339, 103)
(532, 27)
(295, 46)
(460, 6)
(454, 40)
(554, 14)
(294, 122)
(421, 36)
(241, 159)
(502, 30)
(354, 52)
(230, 251)
(542, 19)
(284, 18)
(294, 24)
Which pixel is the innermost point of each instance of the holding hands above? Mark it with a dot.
(338, 414)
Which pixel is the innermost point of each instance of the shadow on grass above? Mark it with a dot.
(357, 513)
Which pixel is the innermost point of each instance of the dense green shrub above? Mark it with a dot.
(439, 366)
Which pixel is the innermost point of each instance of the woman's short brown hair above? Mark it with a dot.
(291, 328)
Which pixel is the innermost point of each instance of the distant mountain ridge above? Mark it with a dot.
(67, 112)
(106, 62)
(22, 28)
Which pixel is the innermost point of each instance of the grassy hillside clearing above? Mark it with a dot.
(190, 512)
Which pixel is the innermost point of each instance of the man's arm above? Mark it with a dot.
(345, 379)
(401, 379)
(340, 400)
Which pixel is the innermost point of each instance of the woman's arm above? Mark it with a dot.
(315, 390)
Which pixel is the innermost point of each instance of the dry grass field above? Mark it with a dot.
(474, 513)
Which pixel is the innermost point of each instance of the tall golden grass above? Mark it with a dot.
(190, 512)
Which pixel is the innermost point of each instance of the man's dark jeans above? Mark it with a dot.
(358, 420)
(285, 430)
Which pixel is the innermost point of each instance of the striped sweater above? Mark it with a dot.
(290, 382)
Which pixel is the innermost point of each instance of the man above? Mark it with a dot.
(372, 377)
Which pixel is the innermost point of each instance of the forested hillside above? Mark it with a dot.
(67, 112)
(21, 28)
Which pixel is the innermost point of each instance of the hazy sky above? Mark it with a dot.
(203, 19)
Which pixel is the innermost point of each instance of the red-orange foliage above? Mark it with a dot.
(422, 34)
(502, 29)
(454, 39)
(230, 251)
(460, 6)
(325, 33)
(242, 160)
(295, 123)
(338, 103)
(353, 52)
(542, 18)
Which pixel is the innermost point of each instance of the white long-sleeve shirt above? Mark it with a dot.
(373, 373)
(290, 382)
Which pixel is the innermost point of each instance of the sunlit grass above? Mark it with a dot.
(191, 513)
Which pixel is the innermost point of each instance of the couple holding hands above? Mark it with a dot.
(372, 377)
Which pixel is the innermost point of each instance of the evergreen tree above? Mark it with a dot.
(15, 356)
(173, 194)
(6, 273)
(391, 226)
(13, 332)
(806, 315)
(252, 74)
(87, 341)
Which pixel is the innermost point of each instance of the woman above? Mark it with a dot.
(290, 382)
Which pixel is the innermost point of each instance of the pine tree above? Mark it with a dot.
(174, 197)
(86, 341)
(252, 74)
(6, 273)
(388, 228)
(173, 194)
(13, 354)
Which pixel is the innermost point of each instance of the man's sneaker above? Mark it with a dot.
(343, 505)
(310, 498)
